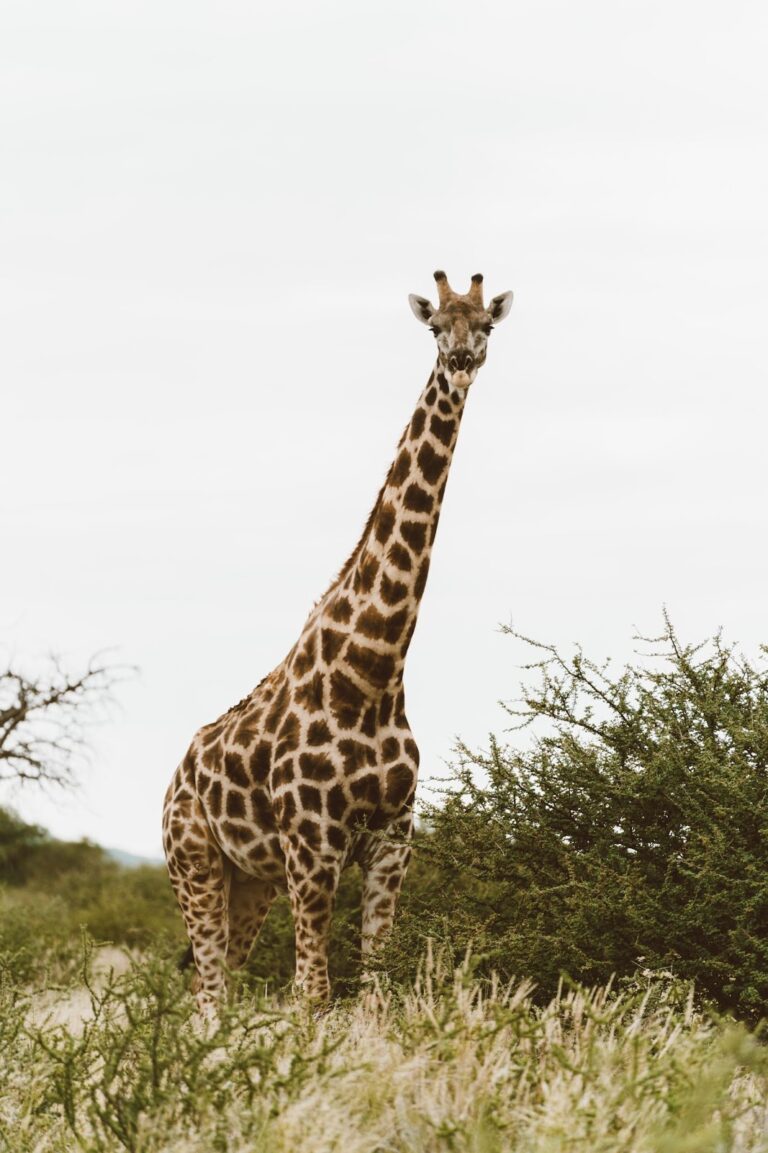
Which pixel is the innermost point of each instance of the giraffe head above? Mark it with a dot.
(461, 325)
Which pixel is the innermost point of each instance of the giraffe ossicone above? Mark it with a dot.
(302, 777)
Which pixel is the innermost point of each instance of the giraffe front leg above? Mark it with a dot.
(312, 877)
(384, 867)
(198, 876)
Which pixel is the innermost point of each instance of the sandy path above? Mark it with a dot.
(72, 1008)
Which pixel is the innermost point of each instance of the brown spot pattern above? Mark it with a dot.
(442, 430)
(341, 610)
(401, 467)
(400, 557)
(418, 420)
(384, 523)
(332, 642)
(346, 700)
(414, 533)
(318, 733)
(392, 591)
(431, 463)
(417, 499)
(310, 694)
(375, 667)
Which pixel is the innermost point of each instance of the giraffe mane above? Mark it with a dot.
(350, 561)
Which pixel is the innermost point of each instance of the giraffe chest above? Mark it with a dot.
(285, 773)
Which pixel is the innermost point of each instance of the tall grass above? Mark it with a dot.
(450, 1064)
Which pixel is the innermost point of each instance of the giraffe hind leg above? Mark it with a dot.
(250, 899)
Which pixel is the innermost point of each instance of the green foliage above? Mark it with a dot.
(19, 844)
(631, 832)
(50, 890)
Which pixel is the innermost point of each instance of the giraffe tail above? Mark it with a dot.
(188, 959)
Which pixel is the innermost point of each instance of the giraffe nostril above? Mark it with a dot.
(461, 361)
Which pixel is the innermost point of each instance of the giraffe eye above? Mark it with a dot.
(434, 330)
(488, 329)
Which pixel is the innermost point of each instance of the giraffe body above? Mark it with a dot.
(302, 777)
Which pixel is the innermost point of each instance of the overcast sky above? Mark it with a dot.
(210, 218)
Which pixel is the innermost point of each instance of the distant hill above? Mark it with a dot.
(130, 860)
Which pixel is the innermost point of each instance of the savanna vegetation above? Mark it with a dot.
(580, 958)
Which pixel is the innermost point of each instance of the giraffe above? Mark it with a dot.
(301, 778)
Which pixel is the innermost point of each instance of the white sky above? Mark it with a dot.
(210, 218)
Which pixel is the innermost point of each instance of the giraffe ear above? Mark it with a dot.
(422, 309)
(500, 306)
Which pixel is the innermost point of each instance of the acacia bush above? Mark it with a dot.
(630, 832)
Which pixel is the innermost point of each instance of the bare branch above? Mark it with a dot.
(43, 718)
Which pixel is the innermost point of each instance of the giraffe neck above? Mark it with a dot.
(367, 617)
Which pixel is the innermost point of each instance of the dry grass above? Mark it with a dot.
(449, 1065)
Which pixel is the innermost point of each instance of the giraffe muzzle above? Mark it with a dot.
(460, 365)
